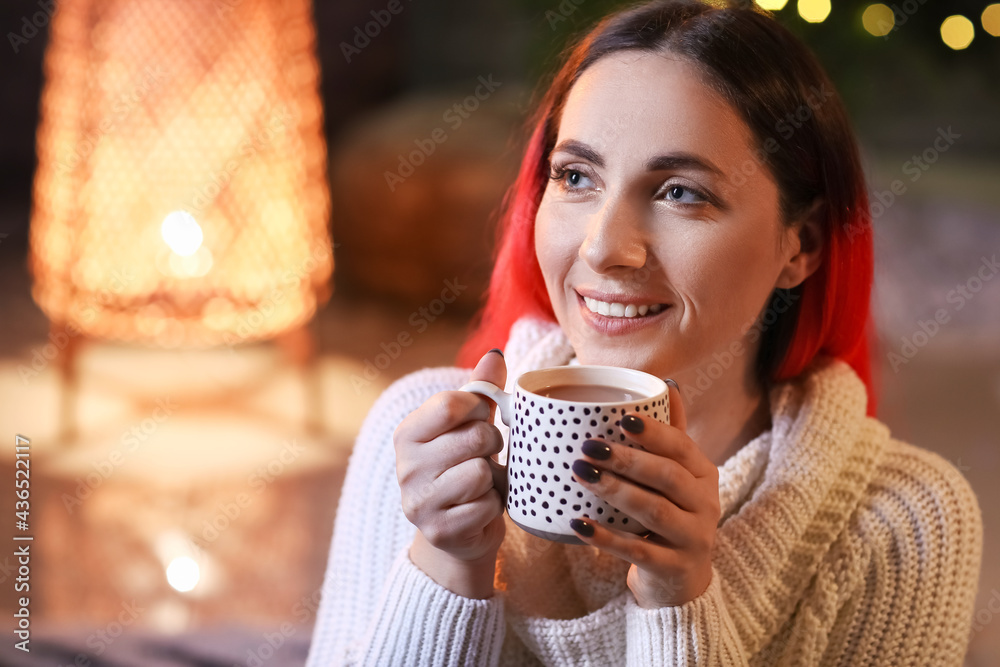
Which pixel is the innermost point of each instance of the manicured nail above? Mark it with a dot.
(632, 424)
(596, 449)
(586, 472)
(673, 383)
(581, 526)
(497, 350)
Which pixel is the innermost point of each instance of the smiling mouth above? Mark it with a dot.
(614, 309)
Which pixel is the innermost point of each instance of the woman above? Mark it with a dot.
(690, 204)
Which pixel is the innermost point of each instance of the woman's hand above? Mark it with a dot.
(447, 485)
(670, 487)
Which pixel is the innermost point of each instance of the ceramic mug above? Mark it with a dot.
(551, 412)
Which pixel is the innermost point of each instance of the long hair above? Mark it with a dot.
(803, 137)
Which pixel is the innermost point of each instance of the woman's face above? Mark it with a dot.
(659, 235)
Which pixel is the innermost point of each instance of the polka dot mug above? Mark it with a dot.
(551, 412)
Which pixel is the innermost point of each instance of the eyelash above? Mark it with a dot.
(558, 174)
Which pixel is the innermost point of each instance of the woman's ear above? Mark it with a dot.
(804, 248)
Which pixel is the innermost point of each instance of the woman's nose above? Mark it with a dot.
(614, 238)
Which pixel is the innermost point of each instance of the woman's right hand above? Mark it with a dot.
(447, 484)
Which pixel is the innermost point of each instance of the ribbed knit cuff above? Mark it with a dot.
(423, 623)
(699, 632)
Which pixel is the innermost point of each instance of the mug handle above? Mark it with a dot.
(489, 390)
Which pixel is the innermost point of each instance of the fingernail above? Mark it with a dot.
(673, 383)
(497, 350)
(586, 472)
(596, 449)
(632, 424)
(582, 527)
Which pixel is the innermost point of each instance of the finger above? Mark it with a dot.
(441, 413)
(667, 440)
(491, 368)
(473, 515)
(471, 440)
(659, 473)
(464, 482)
(447, 410)
(628, 547)
(651, 509)
(678, 414)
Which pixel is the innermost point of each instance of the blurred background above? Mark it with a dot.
(189, 434)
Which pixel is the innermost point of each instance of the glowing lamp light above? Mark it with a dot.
(181, 185)
(182, 233)
(183, 574)
(991, 20)
(772, 5)
(814, 11)
(957, 32)
(878, 19)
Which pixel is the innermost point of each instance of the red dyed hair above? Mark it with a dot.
(768, 76)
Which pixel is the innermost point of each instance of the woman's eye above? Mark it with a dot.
(570, 179)
(683, 195)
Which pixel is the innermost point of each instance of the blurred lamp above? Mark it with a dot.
(181, 195)
(772, 5)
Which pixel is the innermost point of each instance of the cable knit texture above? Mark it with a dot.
(837, 545)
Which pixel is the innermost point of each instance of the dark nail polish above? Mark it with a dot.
(596, 449)
(586, 472)
(582, 527)
(632, 424)
(673, 383)
(497, 350)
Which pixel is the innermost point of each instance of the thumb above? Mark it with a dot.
(491, 368)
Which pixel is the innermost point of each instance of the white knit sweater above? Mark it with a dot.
(837, 546)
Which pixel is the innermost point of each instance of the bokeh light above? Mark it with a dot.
(772, 5)
(814, 11)
(957, 32)
(991, 20)
(182, 233)
(183, 574)
(878, 19)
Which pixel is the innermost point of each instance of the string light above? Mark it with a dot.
(878, 19)
(814, 11)
(991, 20)
(772, 5)
(957, 32)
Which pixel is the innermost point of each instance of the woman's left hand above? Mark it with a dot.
(672, 488)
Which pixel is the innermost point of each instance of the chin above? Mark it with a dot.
(647, 361)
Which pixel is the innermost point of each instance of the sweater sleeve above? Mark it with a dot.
(906, 593)
(377, 608)
(699, 632)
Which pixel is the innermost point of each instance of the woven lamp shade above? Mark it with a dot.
(180, 197)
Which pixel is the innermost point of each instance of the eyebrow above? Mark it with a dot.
(670, 161)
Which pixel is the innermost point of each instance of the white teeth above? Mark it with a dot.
(619, 309)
